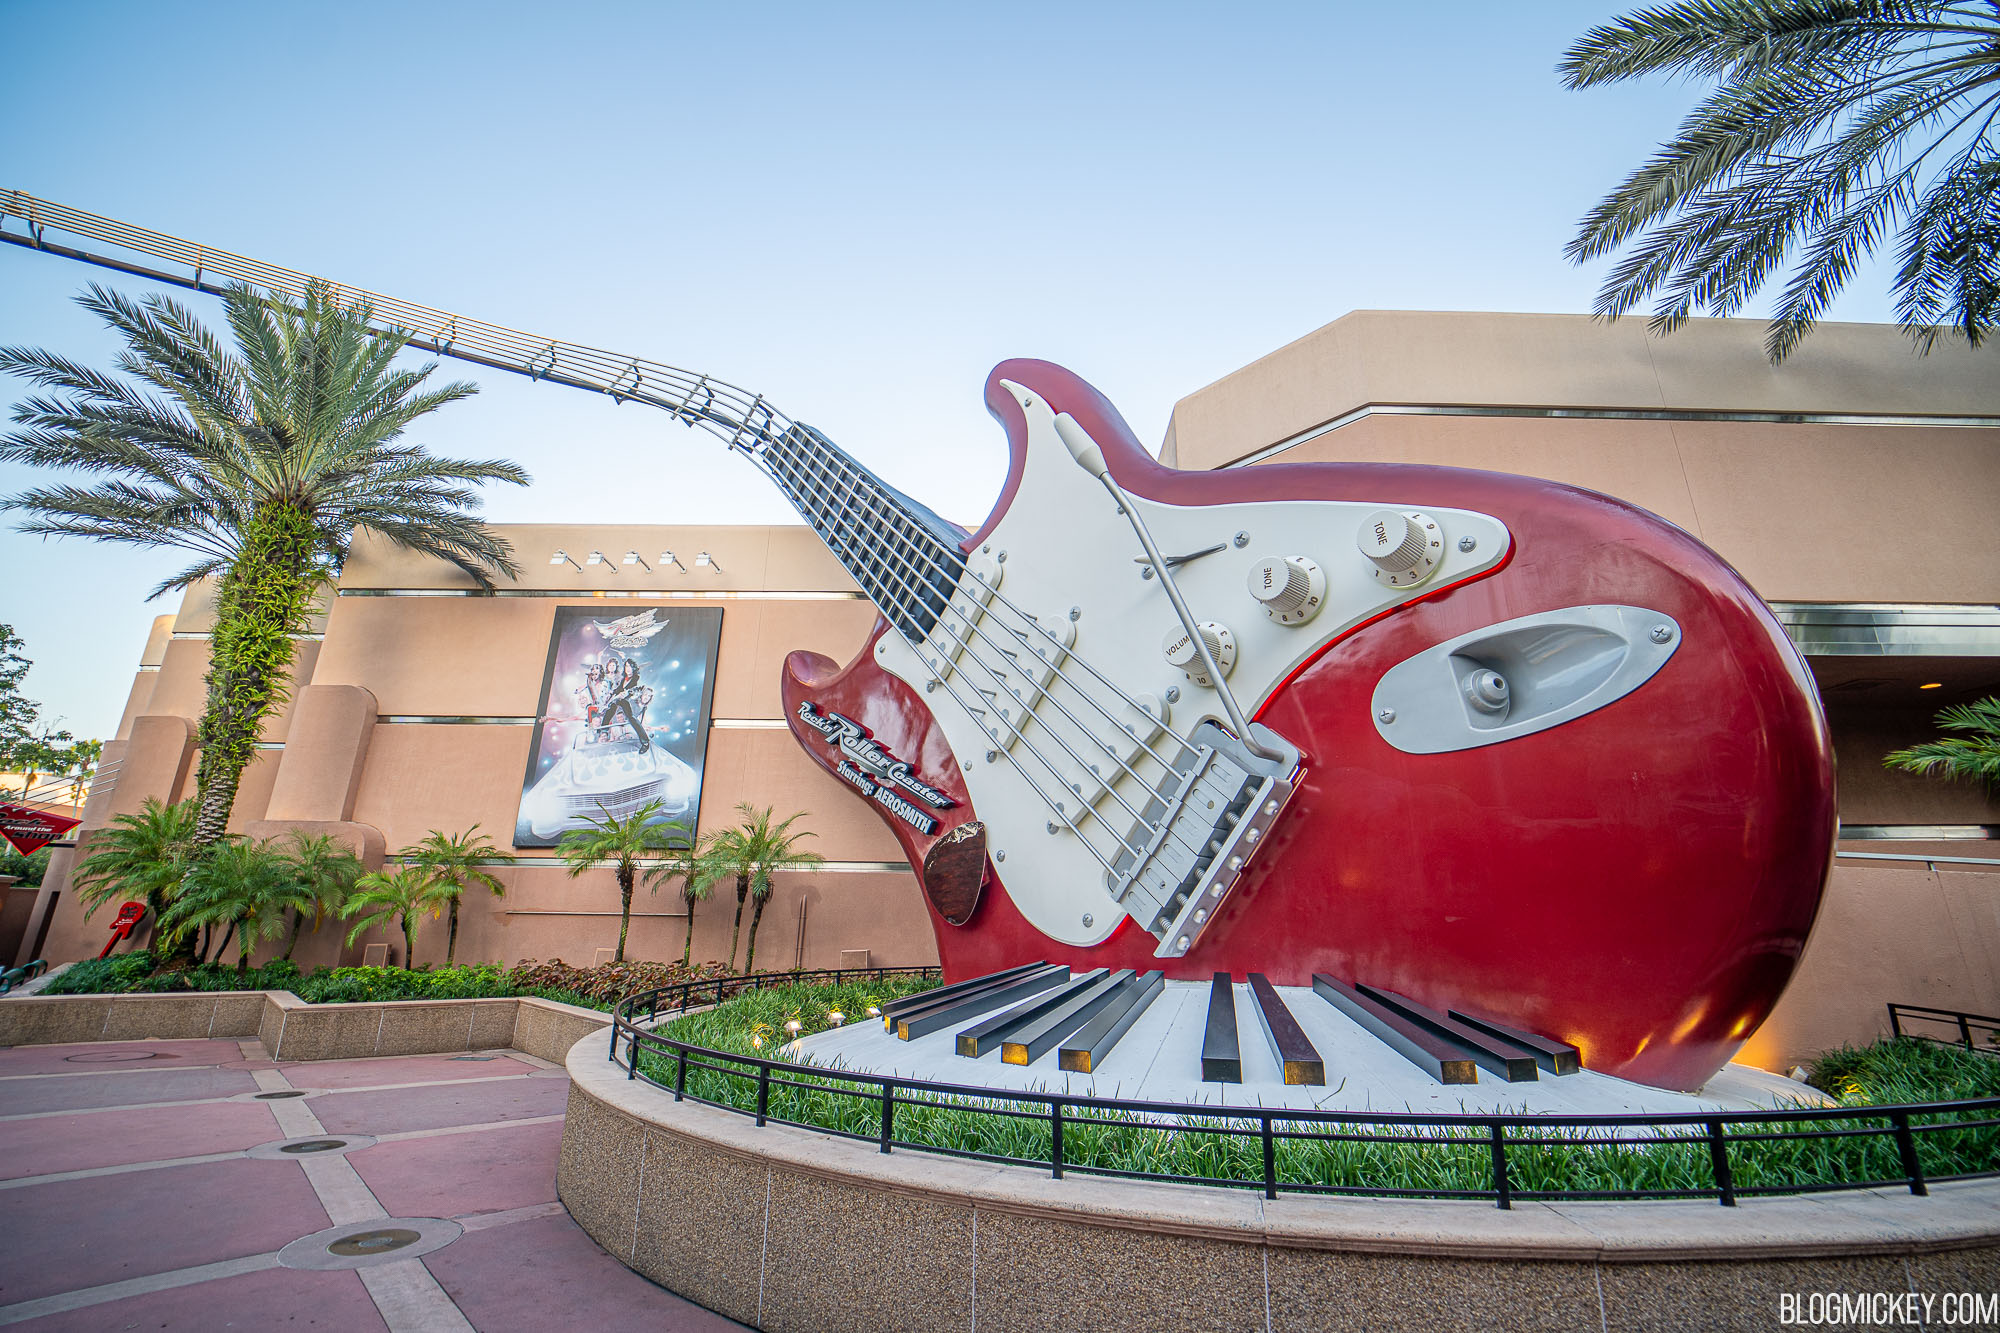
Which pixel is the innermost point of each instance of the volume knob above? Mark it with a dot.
(1405, 546)
(1291, 588)
(1181, 652)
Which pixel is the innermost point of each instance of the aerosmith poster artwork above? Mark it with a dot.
(623, 719)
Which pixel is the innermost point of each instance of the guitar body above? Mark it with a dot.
(1638, 879)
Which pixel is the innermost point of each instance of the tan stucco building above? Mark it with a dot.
(1856, 488)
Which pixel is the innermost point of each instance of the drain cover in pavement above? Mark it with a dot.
(384, 1240)
(475, 1057)
(318, 1145)
(279, 1096)
(375, 1242)
(116, 1057)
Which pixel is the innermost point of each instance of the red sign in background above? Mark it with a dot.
(30, 829)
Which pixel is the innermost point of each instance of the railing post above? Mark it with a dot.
(1270, 1160)
(1502, 1193)
(614, 1036)
(1718, 1158)
(1965, 1031)
(632, 1055)
(888, 1115)
(1906, 1146)
(1895, 1022)
(681, 1074)
(1055, 1137)
(763, 1092)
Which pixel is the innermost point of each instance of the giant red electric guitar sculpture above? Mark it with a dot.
(1518, 749)
(1530, 752)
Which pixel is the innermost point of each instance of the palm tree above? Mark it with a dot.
(1833, 124)
(624, 843)
(261, 460)
(403, 896)
(245, 887)
(326, 871)
(685, 865)
(754, 852)
(145, 856)
(454, 862)
(1974, 755)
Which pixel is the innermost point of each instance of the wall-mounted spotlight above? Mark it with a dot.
(667, 558)
(562, 558)
(632, 558)
(704, 558)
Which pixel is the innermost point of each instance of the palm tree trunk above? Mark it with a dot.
(298, 926)
(624, 906)
(264, 599)
(742, 892)
(243, 957)
(451, 940)
(687, 950)
(222, 945)
(409, 943)
(756, 917)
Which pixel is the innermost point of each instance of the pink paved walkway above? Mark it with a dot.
(132, 1201)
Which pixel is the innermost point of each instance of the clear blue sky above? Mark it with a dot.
(854, 209)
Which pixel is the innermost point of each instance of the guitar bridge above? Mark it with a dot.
(1213, 814)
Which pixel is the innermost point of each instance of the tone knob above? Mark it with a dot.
(1405, 546)
(1181, 652)
(1291, 588)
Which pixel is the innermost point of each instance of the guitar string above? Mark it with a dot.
(997, 677)
(1086, 806)
(1063, 651)
(1170, 829)
(972, 623)
(1054, 807)
(829, 449)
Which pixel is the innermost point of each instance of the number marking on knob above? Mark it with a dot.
(1290, 588)
(1405, 545)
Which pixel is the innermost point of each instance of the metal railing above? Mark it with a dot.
(1738, 1152)
(1960, 1026)
(15, 976)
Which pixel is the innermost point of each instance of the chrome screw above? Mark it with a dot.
(1242, 539)
(1076, 613)
(1386, 716)
(999, 856)
(1661, 633)
(1468, 543)
(1088, 921)
(1173, 694)
(991, 755)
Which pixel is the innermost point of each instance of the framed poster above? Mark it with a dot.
(623, 719)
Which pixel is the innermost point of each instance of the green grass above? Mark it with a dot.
(1444, 1160)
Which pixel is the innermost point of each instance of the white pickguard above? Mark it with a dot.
(1064, 555)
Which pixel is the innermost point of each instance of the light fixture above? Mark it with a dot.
(595, 558)
(704, 558)
(793, 1026)
(562, 558)
(874, 1012)
(632, 558)
(1933, 685)
(835, 1017)
(757, 1042)
(667, 558)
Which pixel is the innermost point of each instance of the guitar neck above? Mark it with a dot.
(896, 549)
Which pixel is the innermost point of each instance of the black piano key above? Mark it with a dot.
(982, 1037)
(1512, 1062)
(938, 994)
(1556, 1057)
(1221, 1056)
(1032, 1042)
(1446, 1061)
(1296, 1054)
(922, 1022)
(1084, 1052)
